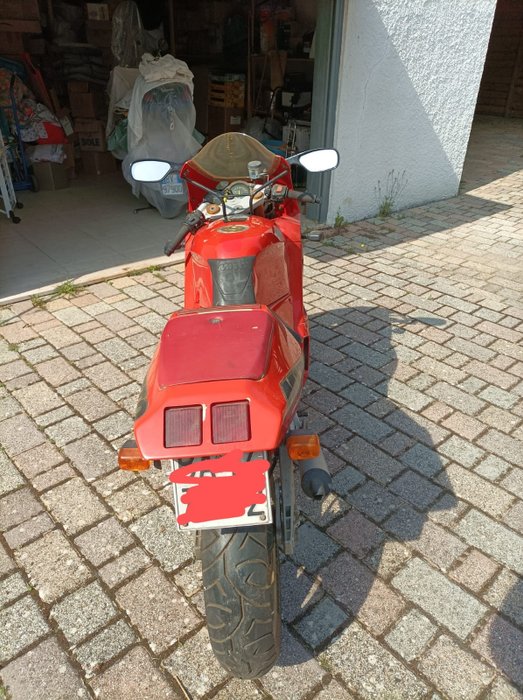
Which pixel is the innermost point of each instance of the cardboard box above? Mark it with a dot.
(201, 96)
(91, 134)
(77, 86)
(99, 33)
(11, 43)
(97, 11)
(24, 26)
(72, 154)
(223, 119)
(227, 90)
(89, 105)
(35, 45)
(19, 9)
(95, 163)
(51, 176)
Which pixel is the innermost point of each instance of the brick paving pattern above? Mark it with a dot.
(406, 582)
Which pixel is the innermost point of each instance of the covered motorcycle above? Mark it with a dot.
(160, 125)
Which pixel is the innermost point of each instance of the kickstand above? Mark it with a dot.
(149, 206)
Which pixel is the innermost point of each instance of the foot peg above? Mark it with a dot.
(316, 480)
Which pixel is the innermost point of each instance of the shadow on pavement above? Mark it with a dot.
(503, 642)
(406, 225)
(389, 477)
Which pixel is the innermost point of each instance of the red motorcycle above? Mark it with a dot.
(221, 395)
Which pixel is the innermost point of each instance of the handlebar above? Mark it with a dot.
(195, 219)
(281, 192)
(304, 197)
(190, 224)
(171, 246)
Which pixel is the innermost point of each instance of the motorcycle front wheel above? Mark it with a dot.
(241, 591)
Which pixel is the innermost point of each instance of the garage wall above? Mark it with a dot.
(409, 78)
(501, 90)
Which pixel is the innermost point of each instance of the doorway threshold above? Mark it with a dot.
(98, 276)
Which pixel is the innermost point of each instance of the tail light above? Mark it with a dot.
(183, 426)
(231, 422)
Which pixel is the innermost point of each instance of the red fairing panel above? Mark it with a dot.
(271, 406)
(187, 340)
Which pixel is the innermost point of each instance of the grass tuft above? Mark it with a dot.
(67, 289)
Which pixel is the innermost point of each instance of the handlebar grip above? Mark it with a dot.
(171, 246)
(304, 197)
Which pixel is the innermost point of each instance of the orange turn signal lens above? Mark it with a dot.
(130, 458)
(303, 447)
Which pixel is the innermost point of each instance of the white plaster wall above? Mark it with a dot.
(409, 77)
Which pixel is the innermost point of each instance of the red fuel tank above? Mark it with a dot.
(231, 263)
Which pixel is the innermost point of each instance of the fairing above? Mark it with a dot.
(226, 157)
(272, 397)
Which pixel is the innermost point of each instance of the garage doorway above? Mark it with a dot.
(494, 148)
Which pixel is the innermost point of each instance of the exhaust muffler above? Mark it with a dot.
(316, 480)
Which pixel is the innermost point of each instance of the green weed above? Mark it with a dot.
(38, 301)
(67, 289)
(388, 193)
(143, 270)
(340, 221)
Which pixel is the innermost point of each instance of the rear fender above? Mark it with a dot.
(269, 377)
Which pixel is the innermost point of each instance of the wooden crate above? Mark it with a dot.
(11, 43)
(227, 92)
(224, 119)
(19, 9)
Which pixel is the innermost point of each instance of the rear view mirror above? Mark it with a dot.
(319, 160)
(150, 170)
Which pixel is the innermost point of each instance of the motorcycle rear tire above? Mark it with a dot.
(241, 591)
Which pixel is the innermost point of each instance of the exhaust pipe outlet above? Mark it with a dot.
(316, 480)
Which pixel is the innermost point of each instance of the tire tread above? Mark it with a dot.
(240, 578)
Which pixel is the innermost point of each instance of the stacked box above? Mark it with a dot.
(223, 119)
(98, 11)
(99, 33)
(11, 43)
(71, 156)
(84, 101)
(226, 103)
(95, 163)
(19, 9)
(227, 90)
(51, 176)
(91, 134)
(19, 21)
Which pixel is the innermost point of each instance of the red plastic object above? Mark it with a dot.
(185, 355)
(183, 426)
(230, 422)
(270, 410)
(37, 83)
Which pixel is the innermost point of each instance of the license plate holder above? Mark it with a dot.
(255, 514)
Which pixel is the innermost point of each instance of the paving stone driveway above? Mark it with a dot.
(406, 582)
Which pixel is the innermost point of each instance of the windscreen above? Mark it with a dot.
(226, 157)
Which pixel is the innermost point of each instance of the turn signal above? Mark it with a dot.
(131, 459)
(303, 447)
